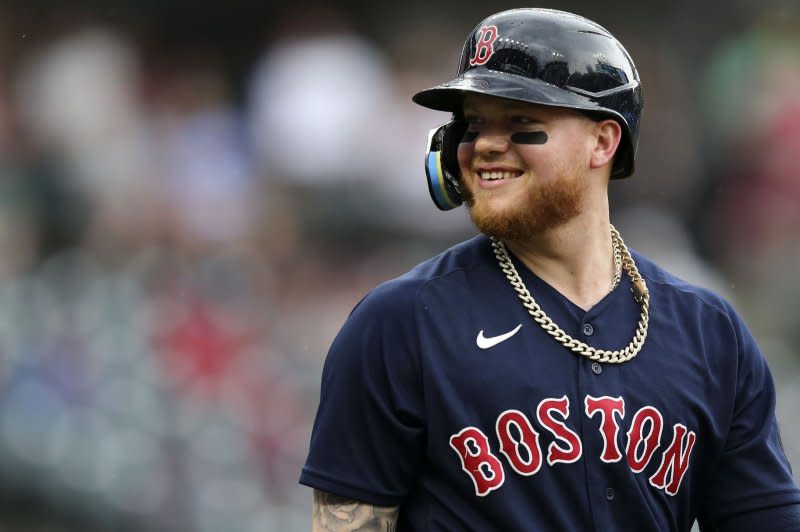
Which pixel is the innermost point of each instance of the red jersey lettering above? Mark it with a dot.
(675, 459)
(477, 460)
(638, 460)
(609, 428)
(527, 442)
(520, 445)
(556, 453)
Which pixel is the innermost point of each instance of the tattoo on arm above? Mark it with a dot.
(339, 514)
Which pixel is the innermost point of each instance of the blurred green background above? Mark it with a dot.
(193, 197)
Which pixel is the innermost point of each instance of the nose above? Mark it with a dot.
(492, 141)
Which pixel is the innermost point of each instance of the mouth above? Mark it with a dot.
(497, 175)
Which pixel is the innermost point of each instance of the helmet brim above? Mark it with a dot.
(450, 96)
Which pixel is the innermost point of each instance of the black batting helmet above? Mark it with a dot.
(541, 56)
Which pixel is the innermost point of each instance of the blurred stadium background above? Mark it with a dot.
(192, 198)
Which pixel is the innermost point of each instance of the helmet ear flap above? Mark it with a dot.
(441, 164)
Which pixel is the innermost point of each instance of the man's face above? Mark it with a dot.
(524, 167)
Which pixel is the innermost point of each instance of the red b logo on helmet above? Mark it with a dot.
(484, 47)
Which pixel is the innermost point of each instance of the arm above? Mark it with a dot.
(332, 513)
(752, 487)
(780, 519)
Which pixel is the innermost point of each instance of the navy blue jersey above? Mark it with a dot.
(442, 395)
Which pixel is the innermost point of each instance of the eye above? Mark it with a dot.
(524, 120)
(473, 120)
(469, 136)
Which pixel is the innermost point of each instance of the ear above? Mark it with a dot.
(608, 134)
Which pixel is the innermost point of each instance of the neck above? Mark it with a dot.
(575, 258)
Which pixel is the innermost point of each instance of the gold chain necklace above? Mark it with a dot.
(617, 262)
(622, 260)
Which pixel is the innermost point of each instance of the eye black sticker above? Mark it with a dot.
(529, 137)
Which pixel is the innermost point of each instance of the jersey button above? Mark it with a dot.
(597, 369)
(588, 330)
(610, 494)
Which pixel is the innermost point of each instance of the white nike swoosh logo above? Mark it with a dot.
(485, 343)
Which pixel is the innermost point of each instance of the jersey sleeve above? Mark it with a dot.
(368, 435)
(784, 518)
(753, 472)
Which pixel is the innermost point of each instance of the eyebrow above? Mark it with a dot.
(511, 110)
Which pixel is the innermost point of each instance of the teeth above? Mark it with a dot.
(494, 175)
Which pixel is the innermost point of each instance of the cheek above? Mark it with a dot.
(464, 155)
(533, 155)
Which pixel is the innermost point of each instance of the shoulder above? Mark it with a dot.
(667, 285)
(384, 327)
(695, 310)
(453, 265)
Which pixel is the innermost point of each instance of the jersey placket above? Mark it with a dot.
(602, 409)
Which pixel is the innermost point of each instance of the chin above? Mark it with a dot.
(519, 218)
(498, 204)
(505, 222)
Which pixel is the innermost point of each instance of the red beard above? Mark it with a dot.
(549, 204)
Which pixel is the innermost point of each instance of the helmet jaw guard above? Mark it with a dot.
(441, 165)
(551, 58)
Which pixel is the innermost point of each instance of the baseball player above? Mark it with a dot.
(541, 375)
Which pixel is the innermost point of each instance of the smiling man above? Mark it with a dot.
(542, 376)
(519, 165)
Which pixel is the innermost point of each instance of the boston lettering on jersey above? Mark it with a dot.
(519, 443)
